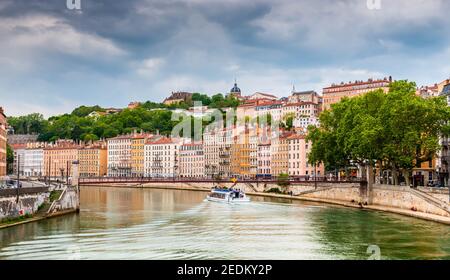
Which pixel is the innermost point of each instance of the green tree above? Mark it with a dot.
(283, 181)
(84, 111)
(9, 159)
(29, 124)
(398, 130)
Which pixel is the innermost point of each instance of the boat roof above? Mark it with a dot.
(221, 190)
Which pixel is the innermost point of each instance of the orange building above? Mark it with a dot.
(93, 160)
(336, 92)
(58, 158)
(244, 151)
(138, 141)
(2, 143)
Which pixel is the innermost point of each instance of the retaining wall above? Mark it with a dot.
(29, 202)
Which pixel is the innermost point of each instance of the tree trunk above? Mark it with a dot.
(394, 177)
(406, 174)
(363, 172)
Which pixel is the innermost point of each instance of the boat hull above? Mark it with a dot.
(232, 201)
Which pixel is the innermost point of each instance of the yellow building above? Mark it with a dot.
(280, 154)
(137, 153)
(93, 160)
(58, 158)
(244, 151)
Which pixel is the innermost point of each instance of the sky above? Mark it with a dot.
(109, 53)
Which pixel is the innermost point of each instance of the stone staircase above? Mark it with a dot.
(431, 199)
(320, 189)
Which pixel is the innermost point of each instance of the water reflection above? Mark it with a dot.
(166, 224)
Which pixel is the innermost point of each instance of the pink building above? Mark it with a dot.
(298, 164)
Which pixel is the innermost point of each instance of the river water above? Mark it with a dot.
(169, 224)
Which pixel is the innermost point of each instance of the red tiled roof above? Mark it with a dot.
(296, 136)
(300, 104)
(163, 140)
(142, 136)
(18, 146)
(358, 83)
(264, 94)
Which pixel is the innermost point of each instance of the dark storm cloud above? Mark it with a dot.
(114, 51)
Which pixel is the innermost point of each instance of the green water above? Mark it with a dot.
(167, 224)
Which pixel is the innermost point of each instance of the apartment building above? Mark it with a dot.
(443, 162)
(161, 158)
(119, 156)
(336, 92)
(137, 153)
(264, 155)
(58, 158)
(93, 160)
(244, 162)
(298, 165)
(33, 159)
(192, 160)
(3, 125)
(279, 154)
(217, 148)
(19, 158)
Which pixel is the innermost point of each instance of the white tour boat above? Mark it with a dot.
(227, 195)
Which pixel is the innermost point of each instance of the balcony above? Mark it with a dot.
(224, 155)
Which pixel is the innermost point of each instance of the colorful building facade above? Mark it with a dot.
(192, 160)
(3, 159)
(93, 160)
(161, 158)
(336, 92)
(58, 158)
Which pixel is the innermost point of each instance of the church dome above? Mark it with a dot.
(235, 89)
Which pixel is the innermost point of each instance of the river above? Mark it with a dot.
(119, 223)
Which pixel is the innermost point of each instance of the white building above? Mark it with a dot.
(305, 113)
(217, 148)
(305, 96)
(264, 158)
(33, 165)
(192, 161)
(119, 156)
(161, 158)
(274, 108)
(19, 158)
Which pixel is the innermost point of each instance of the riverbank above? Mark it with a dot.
(38, 218)
(36, 204)
(410, 213)
(351, 201)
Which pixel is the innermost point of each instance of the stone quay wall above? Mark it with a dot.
(68, 201)
(30, 199)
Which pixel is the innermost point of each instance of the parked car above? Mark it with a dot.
(435, 184)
